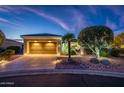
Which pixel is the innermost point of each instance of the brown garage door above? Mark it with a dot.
(42, 47)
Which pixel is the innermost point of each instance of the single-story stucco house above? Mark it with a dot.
(42, 43)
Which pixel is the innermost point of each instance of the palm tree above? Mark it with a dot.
(68, 38)
(2, 37)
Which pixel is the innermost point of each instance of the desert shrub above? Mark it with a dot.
(104, 52)
(115, 52)
(6, 54)
(15, 48)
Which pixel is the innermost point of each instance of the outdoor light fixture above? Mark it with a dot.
(49, 41)
(35, 41)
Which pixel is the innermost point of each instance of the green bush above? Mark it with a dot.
(73, 52)
(15, 48)
(121, 50)
(6, 54)
(10, 52)
(2, 50)
(104, 53)
(115, 52)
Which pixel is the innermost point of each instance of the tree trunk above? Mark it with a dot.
(97, 53)
(69, 49)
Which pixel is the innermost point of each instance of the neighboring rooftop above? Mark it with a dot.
(9, 42)
(42, 34)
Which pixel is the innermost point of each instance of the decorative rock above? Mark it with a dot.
(105, 62)
(94, 60)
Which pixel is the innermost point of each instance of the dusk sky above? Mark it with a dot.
(19, 20)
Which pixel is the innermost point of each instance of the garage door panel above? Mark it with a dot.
(36, 47)
(49, 47)
(42, 48)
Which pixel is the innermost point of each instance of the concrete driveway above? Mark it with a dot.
(29, 62)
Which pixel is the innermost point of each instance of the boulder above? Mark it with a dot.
(105, 62)
(94, 60)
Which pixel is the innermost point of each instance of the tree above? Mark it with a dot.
(96, 38)
(2, 37)
(68, 38)
(119, 40)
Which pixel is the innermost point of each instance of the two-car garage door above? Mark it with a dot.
(42, 48)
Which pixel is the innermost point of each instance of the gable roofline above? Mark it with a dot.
(41, 34)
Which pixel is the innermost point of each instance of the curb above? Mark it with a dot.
(60, 71)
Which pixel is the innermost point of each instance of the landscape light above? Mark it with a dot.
(35, 41)
(49, 41)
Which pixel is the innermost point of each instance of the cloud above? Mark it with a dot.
(116, 28)
(3, 10)
(111, 24)
(17, 10)
(9, 23)
(116, 10)
(5, 20)
(14, 11)
(10, 9)
(93, 10)
(117, 32)
(50, 17)
(78, 18)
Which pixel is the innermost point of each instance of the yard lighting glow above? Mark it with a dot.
(56, 61)
(3, 63)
